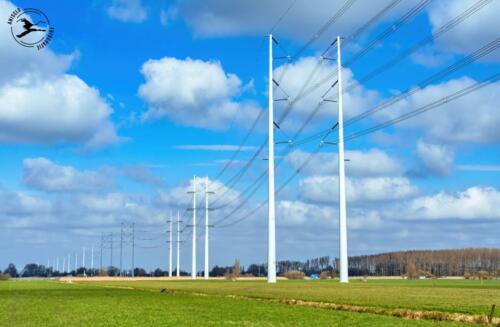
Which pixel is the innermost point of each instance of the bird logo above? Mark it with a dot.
(30, 28)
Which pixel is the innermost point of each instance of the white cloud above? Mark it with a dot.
(179, 196)
(479, 167)
(53, 111)
(193, 93)
(370, 163)
(293, 213)
(18, 204)
(111, 202)
(307, 216)
(473, 118)
(216, 147)
(128, 11)
(474, 203)
(40, 104)
(143, 174)
(16, 61)
(209, 18)
(43, 174)
(480, 28)
(324, 189)
(435, 159)
(167, 16)
(292, 78)
(430, 58)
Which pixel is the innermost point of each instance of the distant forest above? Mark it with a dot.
(457, 262)
(469, 263)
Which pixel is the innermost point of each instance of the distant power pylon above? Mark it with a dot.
(207, 226)
(178, 243)
(193, 250)
(169, 221)
(121, 248)
(91, 261)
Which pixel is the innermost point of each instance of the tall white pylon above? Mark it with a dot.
(178, 243)
(344, 275)
(69, 262)
(57, 263)
(76, 262)
(207, 226)
(64, 265)
(271, 254)
(193, 258)
(170, 245)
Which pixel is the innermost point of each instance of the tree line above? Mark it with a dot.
(457, 262)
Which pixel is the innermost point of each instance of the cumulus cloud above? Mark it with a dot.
(18, 204)
(480, 27)
(128, 11)
(40, 104)
(473, 118)
(293, 77)
(178, 196)
(143, 175)
(370, 163)
(194, 93)
(434, 159)
(213, 18)
(324, 189)
(472, 204)
(45, 175)
(60, 110)
(293, 213)
(311, 216)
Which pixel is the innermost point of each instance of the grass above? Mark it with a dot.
(454, 296)
(48, 303)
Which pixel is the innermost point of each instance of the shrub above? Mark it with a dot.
(230, 275)
(295, 274)
(4, 276)
(483, 275)
(411, 271)
(326, 274)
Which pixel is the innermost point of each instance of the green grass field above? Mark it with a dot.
(185, 303)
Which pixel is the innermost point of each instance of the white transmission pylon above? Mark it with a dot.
(271, 254)
(344, 275)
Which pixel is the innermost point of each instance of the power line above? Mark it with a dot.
(325, 27)
(438, 33)
(346, 6)
(384, 35)
(471, 58)
(444, 100)
(257, 119)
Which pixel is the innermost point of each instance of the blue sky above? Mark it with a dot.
(132, 98)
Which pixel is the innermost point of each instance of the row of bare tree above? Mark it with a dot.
(458, 262)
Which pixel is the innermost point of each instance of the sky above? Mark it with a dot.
(131, 99)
